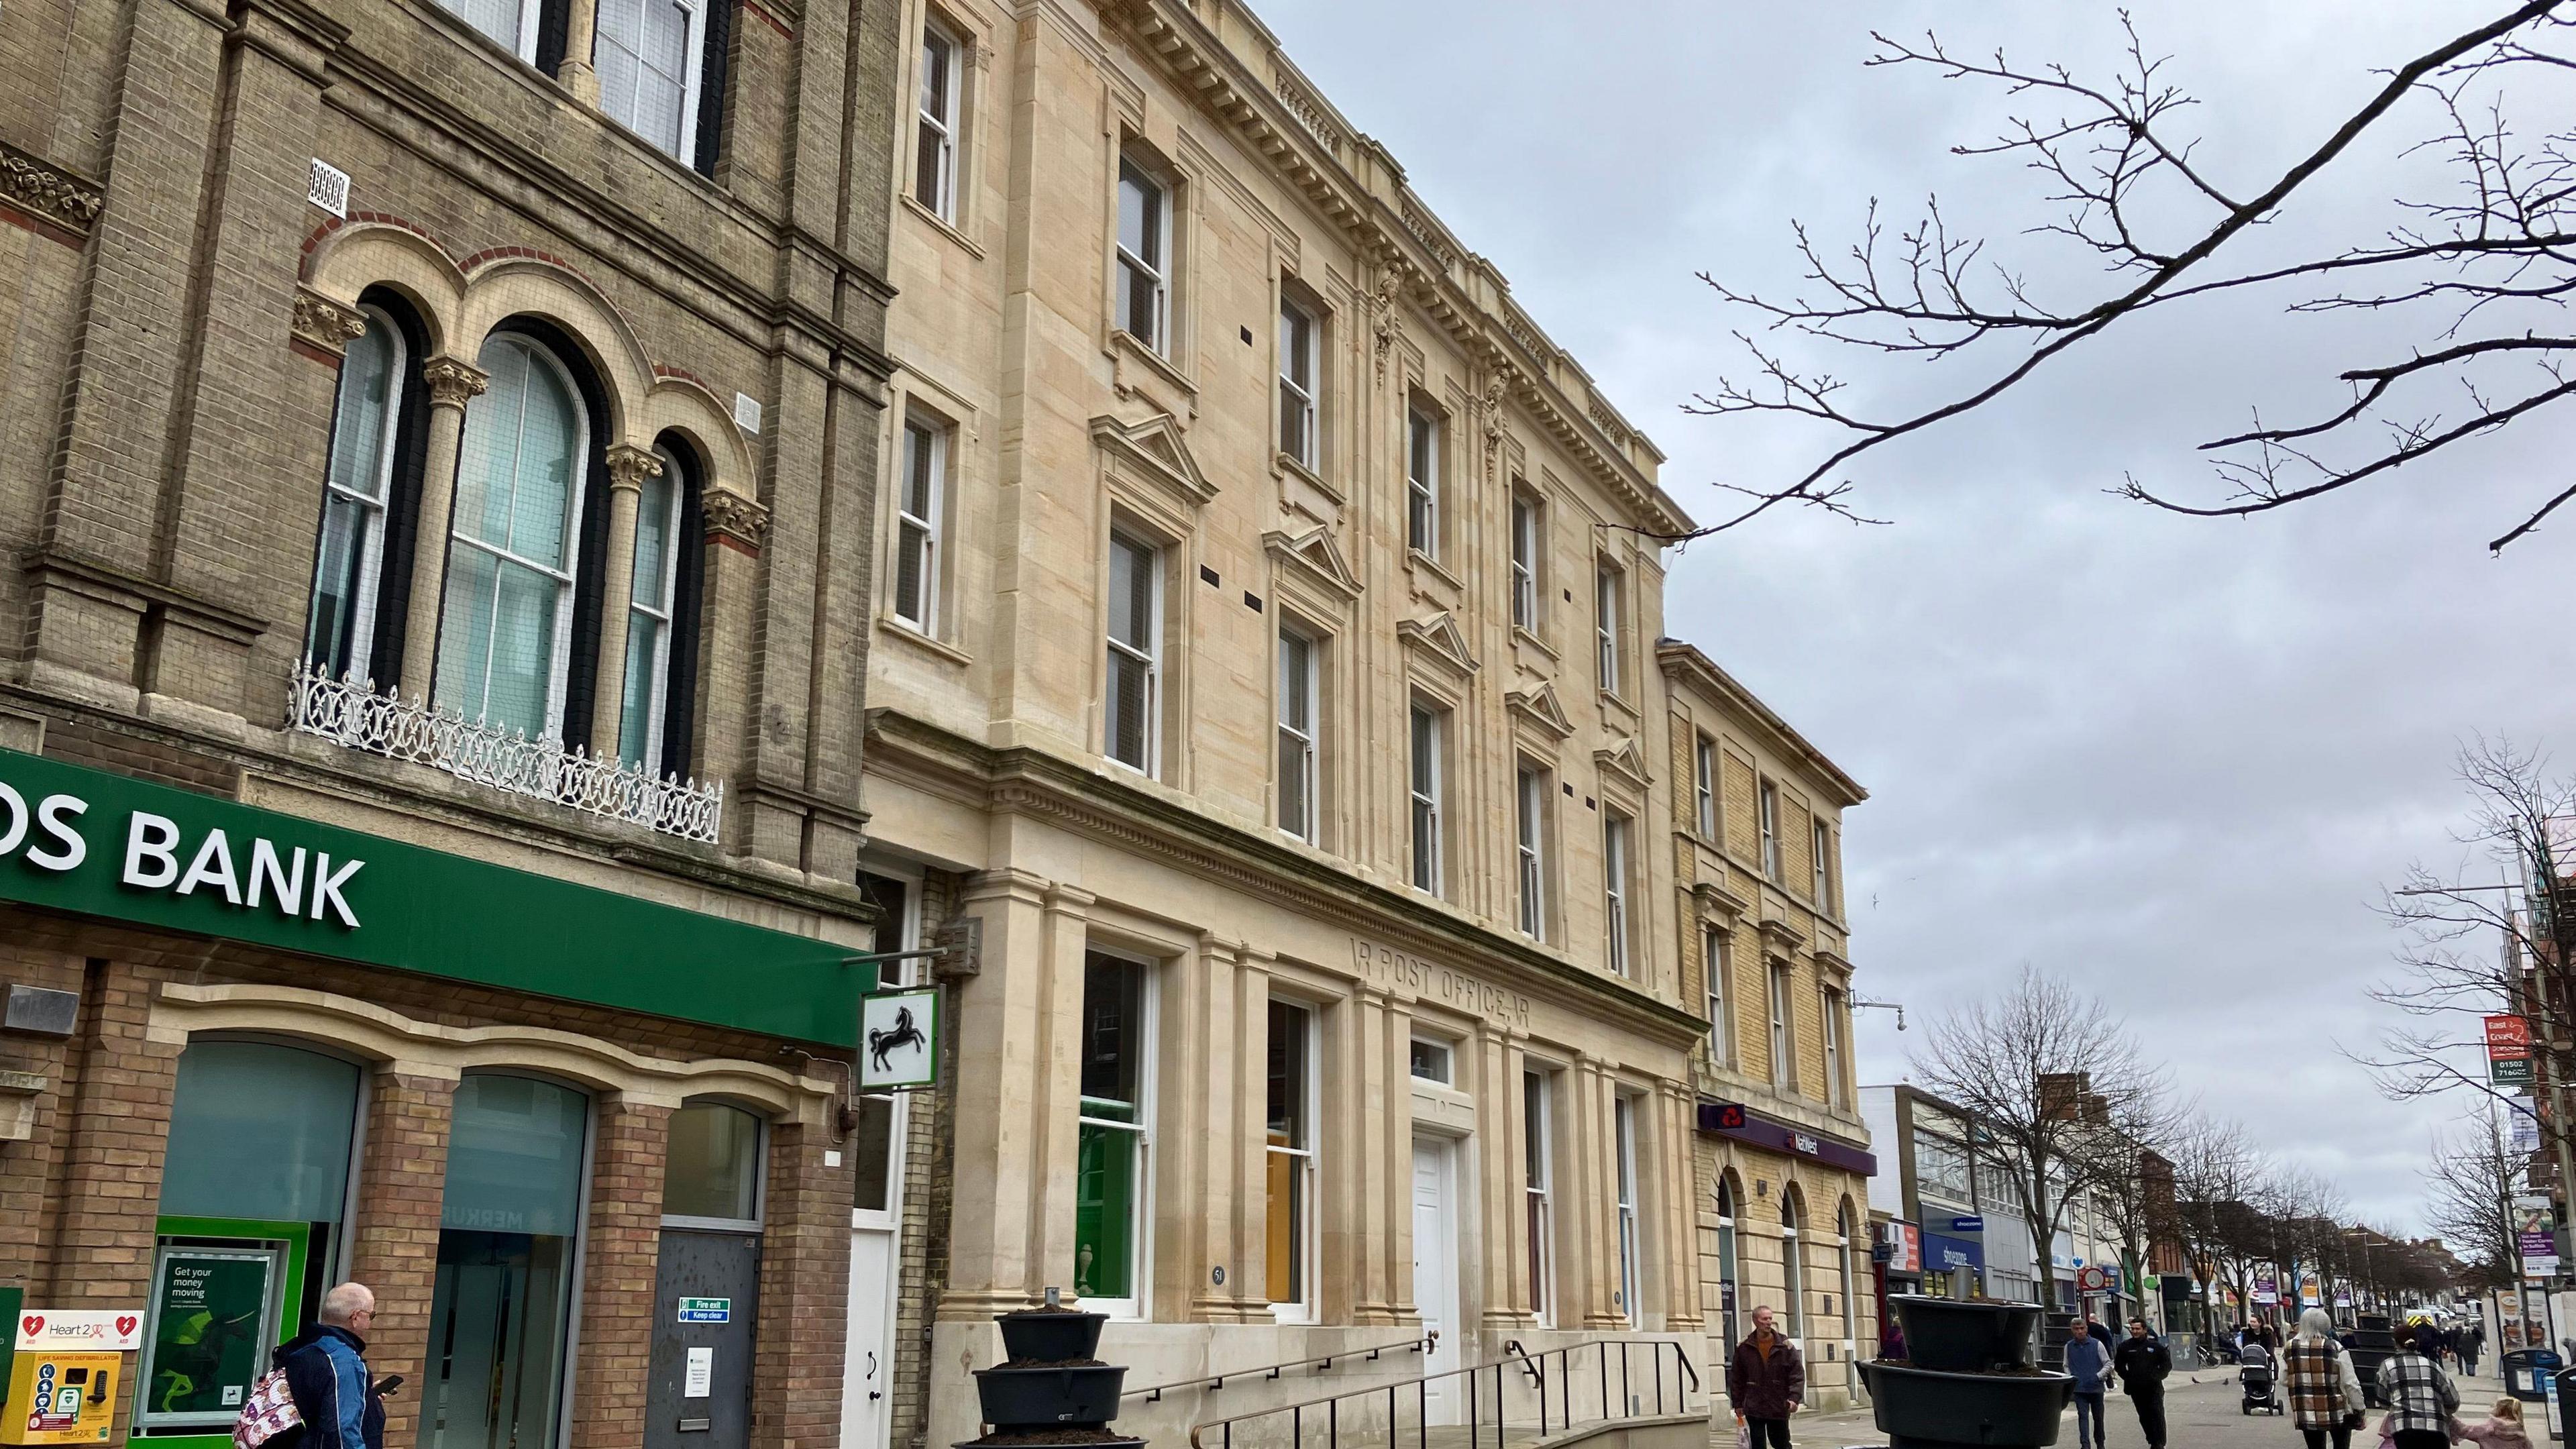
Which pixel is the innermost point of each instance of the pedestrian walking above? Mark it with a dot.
(2472, 1343)
(1891, 1341)
(2142, 1364)
(2421, 1398)
(2089, 1359)
(2325, 1393)
(2502, 1430)
(1766, 1380)
(325, 1369)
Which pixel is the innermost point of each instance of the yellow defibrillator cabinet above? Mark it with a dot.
(60, 1398)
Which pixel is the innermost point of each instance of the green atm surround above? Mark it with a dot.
(291, 1315)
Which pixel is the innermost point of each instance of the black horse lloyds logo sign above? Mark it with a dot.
(899, 1039)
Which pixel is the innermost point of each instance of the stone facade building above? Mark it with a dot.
(1268, 660)
(441, 453)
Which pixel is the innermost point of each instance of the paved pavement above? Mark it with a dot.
(2201, 1412)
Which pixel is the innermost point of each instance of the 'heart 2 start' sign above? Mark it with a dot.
(81, 1330)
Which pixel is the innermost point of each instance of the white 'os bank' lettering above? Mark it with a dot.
(273, 879)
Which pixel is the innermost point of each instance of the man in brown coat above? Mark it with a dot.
(1766, 1381)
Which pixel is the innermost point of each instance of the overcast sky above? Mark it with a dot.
(2175, 760)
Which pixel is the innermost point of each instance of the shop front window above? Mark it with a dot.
(1108, 1225)
(1727, 1210)
(243, 1257)
(508, 1230)
(1291, 1160)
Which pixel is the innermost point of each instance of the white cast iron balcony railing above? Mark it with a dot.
(350, 712)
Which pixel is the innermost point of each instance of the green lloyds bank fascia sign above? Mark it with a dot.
(96, 844)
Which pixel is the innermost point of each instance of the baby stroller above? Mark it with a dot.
(2261, 1391)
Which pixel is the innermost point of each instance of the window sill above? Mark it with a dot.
(1127, 346)
(1287, 465)
(1523, 634)
(1615, 703)
(897, 629)
(943, 226)
(1415, 560)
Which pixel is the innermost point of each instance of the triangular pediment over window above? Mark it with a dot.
(1156, 450)
(1314, 554)
(1539, 705)
(1626, 761)
(1440, 638)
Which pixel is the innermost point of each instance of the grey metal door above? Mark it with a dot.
(706, 1299)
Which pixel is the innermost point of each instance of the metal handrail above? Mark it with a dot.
(1154, 1395)
(1685, 1381)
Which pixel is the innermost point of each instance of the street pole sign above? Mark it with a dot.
(2509, 1051)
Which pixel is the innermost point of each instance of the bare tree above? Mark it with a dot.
(2490, 937)
(2058, 1090)
(2469, 1191)
(2477, 270)
(2214, 1171)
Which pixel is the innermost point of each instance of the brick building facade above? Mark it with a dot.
(442, 434)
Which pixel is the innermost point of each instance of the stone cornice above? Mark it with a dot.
(1029, 781)
(1685, 664)
(1356, 185)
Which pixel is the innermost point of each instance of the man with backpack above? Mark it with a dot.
(318, 1393)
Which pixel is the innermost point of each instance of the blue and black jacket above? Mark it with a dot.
(326, 1370)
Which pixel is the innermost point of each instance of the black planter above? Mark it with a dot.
(1966, 1338)
(1043, 1336)
(1050, 1398)
(1924, 1409)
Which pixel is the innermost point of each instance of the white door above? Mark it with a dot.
(1435, 1272)
(869, 1376)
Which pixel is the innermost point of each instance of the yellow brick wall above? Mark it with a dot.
(1743, 830)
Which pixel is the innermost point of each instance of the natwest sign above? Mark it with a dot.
(1742, 1123)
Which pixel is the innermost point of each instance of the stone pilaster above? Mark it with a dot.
(1196, 1177)
(1247, 1068)
(804, 1292)
(1002, 1012)
(628, 467)
(1391, 1265)
(402, 1180)
(452, 383)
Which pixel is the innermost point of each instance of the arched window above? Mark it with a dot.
(370, 499)
(1730, 1206)
(509, 1230)
(661, 627)
(505, 632)
(1793, 1277)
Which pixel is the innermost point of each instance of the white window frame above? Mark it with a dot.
(1300, 396)
(1716, 968)
(1448, 1057)
(1539, 1197)
(933, 439)
(1830, 1005)
(1302, 1308)
(1820, 842)
(1422, 429)
(1609, 590)
(1632, 1247)
(1783, 1047)
(692, 61)
(662, 612)
(362, 611)
(1426, 749)
(1769, 796)
(1157, 274)
(1151, 656)
(1704, 786)
(905, 937)
(1294, 743)
(1616, 828)
(941, 122)
(1525, 556)
(568, 577)
(1141, 1228)
(1530, 796)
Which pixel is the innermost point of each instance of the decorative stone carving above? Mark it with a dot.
(730, 515)
(326, 324)
(1383, 303)
(1495, 388)
(453, 382)
(48, 192)
(629, 466)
